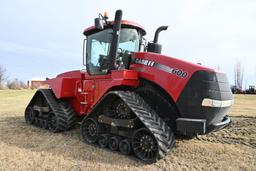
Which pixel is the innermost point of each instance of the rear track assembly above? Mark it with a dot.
(45, 111)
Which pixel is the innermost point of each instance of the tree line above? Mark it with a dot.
(5, 83)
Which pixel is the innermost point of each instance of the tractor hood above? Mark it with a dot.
(199, 92)
(170, 73)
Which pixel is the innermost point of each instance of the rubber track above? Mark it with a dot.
(160, 130)
(66, 117)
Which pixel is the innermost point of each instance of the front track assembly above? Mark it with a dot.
(143, 133)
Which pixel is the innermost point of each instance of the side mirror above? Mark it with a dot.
(98, 22)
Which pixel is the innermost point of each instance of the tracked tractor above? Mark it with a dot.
(131, 98)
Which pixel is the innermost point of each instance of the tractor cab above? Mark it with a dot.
(109, 46)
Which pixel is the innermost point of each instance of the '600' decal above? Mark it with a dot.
(176, 71)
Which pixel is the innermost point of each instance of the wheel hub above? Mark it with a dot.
(123, 111)
(103, 140)
(29, 115)
(92, 129)
(113, 143)
(147, 143)
(125, 146)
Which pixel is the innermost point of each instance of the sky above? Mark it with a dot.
(44, 38)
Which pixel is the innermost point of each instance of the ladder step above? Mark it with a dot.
(85, 93)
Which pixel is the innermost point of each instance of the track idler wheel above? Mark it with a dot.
(30, 116)
(113, 143)
(103, 140)
(125, 146)
(90, 130)
(144, 145)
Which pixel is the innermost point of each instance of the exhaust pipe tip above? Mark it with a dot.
(155, 47)
(161, 28)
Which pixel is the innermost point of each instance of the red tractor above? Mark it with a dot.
(131, 98)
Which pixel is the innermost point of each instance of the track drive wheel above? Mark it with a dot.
(145, 146)
(90, 130)
(30, 116)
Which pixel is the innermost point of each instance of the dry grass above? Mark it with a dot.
(14, 101)
(245, 105)
(24, 147)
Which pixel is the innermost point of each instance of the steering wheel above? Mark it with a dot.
(120, 50)
(103, 62)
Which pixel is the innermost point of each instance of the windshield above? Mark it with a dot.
(129, 40)
(98, 47)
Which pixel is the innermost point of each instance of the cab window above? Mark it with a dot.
(98, 46)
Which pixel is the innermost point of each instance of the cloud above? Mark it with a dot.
(53, 51)
(11, 47)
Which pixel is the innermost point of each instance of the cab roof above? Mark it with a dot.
(125, 24)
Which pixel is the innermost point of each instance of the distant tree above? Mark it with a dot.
(16, 84)
(238, 75)
(255, 75)
(3, 77)
(22, 85)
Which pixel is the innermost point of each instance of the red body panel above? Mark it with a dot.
(64, 84)
(83, 91)
(171, 83)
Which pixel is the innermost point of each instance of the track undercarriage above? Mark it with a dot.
(121, 121)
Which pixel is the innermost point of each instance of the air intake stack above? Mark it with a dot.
(155, 46)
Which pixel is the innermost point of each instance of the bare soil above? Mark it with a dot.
(24, 147)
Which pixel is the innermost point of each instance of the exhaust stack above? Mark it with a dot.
(115, 38)
(155, 46)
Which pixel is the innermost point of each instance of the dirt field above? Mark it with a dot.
(24, 147)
